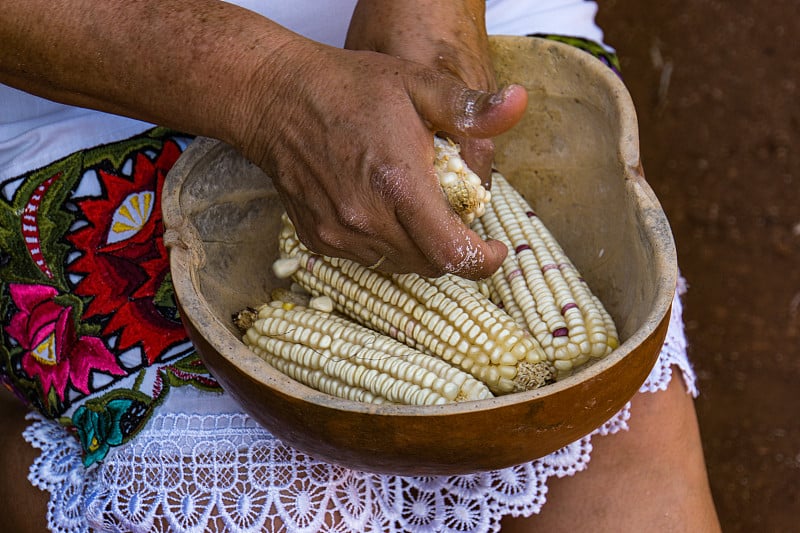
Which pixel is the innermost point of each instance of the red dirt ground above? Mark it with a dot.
(715, 85)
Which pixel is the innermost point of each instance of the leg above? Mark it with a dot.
(650, 478)
(22, 506)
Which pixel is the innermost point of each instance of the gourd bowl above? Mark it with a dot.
(575, 157)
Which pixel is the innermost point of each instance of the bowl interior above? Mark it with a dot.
(574, 156)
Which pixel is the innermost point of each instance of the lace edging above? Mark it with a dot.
(176, 475)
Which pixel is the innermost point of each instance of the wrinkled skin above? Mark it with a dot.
(345, 134)
(352, 153)
(446, 35)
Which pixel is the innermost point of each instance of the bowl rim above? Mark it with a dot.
(179, 234)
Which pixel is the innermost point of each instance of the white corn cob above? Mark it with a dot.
(461, 186)
(339, 357)
(447, 316)
(541, 288)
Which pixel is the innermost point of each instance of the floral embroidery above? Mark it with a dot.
(53, 351)
(123, 256)
(98, 430)
(30, 225)
(102, 425)
(187, 370)
(89, 328)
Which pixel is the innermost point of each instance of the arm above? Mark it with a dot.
(170, 63)
(210, 68)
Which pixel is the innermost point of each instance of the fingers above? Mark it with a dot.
(375, 198)
(446, 242)
(435, 239)
(471, 118)
(422, 235)
(451, 107)
(365, 232)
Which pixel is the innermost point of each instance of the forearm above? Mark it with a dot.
(177, 63)
(346, 136)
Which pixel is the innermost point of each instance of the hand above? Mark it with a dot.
(446, 35)
(347, 138)
(346, 135)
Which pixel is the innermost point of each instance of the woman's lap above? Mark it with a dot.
(652, 475)
(168, 465)
(649, 478)
(200, 453)
(201, 462)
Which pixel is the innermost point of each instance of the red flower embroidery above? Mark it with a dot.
(124, 260)
(54, 353)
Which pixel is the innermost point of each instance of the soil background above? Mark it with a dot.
(715, 86)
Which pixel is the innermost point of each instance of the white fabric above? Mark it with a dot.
(35, 131)
(202, 465)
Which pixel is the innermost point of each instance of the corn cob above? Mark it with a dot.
(447, 316)
(341, 358)
(541, 288)
(550, 325)
(461, 186)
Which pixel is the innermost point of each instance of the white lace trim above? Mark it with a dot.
(222, 472)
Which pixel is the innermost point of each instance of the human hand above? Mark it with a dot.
(446, 35)
(347, 137)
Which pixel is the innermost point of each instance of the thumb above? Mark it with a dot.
(453, 108)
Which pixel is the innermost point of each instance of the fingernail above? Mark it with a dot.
(500, 96)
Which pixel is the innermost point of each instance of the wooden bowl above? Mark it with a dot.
(575, 155)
